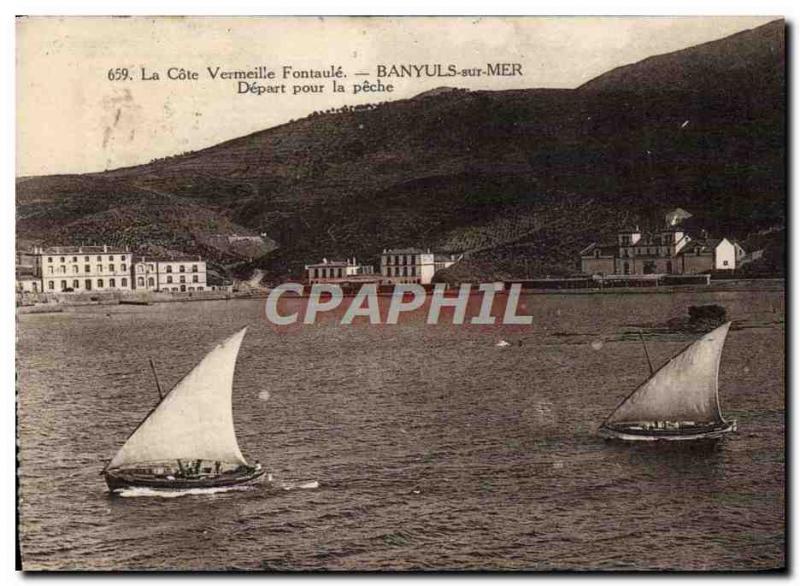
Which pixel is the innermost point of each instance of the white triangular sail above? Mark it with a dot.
(684, 389)
(195, 420)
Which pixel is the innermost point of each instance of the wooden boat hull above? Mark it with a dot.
(119, 480)
(652, 435)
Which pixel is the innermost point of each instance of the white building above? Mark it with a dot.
(82, 268)
(145, 275)
(412, 265)
(339, 271)
(170, 274)
(710, 254)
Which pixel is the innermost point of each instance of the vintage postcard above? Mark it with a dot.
(401, 293)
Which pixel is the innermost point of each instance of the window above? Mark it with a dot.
(413, 271)
(49, 259)
(85, 259)
(88, 284)
(112, 283)
(111, 268)
(191, 288)
(61, 259)
(51, 285)
(50, 270)
(111, 257)
(150, 282)
(74, 259)
(123, 268)
(62, 269)
(99, 268)
(724, 263)
(76, 284)
(199, 288)
(122, 258)
(169, 279)
(87, 269)
(183, 269)
(123, 282)
(195, 279)
(99, 283)
(169, 268)
(99, 258)
(194, 268)
(63, 285)
(183, 279)
(140, 281)
(626, 268)
(150, 267)
(75, 269)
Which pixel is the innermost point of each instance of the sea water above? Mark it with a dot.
(407, 446)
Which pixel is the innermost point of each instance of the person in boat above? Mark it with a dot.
(216, 467)
(195, 422)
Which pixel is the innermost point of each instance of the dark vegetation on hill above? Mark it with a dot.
(520, 180)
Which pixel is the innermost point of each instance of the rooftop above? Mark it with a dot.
(705, 245)
(404, 251)
(78, 250)
(606, 249)
(162, 259)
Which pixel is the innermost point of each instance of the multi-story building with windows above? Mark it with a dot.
(665, 251)
(340, 271)
(82, 268)
(184, 274)
(170, 274)
(78, 269)
(413, 265)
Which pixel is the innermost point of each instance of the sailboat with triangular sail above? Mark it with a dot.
(188, 439)
(679, 401)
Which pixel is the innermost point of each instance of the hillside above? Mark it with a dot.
(521, 180)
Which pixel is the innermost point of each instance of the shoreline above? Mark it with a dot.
(733, 285)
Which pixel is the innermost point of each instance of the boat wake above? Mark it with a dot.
(177, 492)
(306, 485)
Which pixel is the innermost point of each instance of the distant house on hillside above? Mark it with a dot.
(676, 216)
(666, 251)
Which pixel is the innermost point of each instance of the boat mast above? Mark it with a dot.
(155, 375)
(647, 355)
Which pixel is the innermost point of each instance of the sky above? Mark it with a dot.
(72, 118)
